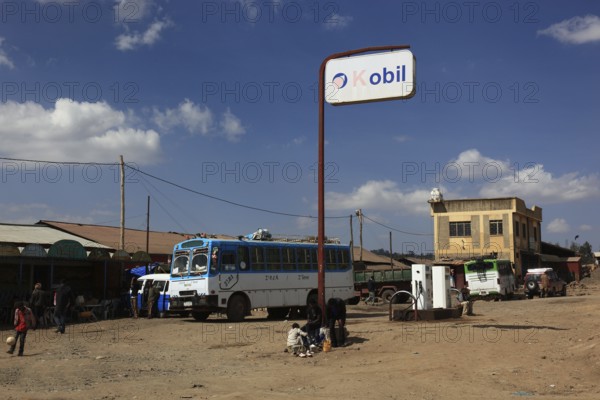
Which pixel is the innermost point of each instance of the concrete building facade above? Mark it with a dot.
(503, 227)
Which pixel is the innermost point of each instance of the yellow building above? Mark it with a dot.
(502, 227)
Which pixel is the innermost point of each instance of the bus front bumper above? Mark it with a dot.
(193, 302)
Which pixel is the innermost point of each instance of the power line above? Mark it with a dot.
(397, 230)
(183, 229)
(225, 200)
(57, 162)
(208, 195)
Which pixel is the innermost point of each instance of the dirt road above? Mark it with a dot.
(544, 348)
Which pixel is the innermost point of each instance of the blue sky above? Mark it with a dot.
(219, 97)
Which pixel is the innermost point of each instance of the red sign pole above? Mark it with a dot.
(321, 183)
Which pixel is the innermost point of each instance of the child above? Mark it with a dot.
(24, 320)
(297, 342)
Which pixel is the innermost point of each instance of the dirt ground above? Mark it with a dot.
(544, 348)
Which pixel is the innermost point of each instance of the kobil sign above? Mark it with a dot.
(373, 77)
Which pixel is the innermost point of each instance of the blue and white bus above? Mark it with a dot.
(232, 277)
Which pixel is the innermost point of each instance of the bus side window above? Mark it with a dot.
(289, 259)
(343, 259)
(273, 259)
(303, 259)
(227, 261)
(330, 263)
(243, 258)
(257, 258)
(314, 259)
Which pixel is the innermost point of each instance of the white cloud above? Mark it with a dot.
(490, 178)
(232, 126)
(535, 184)
(337, 22)
(128, 11)
(30, 213)
(577, 30)
(88, 132)
(131, 41)
(303, 223)
(4, 59)
(529, 180)
(585, 228)
(196, 119)
(558, 225)
(199, 120)
(299, 140)
(380, 195)
(401, 138)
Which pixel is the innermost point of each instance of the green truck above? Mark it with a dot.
(387, 282)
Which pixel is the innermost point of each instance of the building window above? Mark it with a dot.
(535, 233)
(460, 229)
(517, 228)
(524, 230)
(496, 227)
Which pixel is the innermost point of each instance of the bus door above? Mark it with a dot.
(228, 271)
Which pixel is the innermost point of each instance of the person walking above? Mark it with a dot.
(63, 300)
(23, 321)
(133, 294)
(38, 303)
(153, 295)
(371, 289)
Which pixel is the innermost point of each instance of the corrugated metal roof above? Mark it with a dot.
(135, 240)
(22, 235)
(372, 258)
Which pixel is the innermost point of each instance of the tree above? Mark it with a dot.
(586, 253)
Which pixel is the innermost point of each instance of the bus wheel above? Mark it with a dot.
(236, 309)
(200, 316)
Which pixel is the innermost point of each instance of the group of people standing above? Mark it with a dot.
(26, 318)
(152, 295)
(304, 341)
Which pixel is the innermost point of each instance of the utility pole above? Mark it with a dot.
(148, 227)
(148, 234)
(122, 241)
(351, 237)
(359, 214)
(391, 254)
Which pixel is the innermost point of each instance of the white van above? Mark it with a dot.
(145, 282)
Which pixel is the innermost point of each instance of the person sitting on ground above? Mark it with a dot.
(466, 301)
(297, 343)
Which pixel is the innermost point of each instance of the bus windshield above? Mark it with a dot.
(479, 266)
(180, 264)
(199, 262)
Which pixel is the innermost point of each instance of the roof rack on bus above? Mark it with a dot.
(265, 235)
(305, 239)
